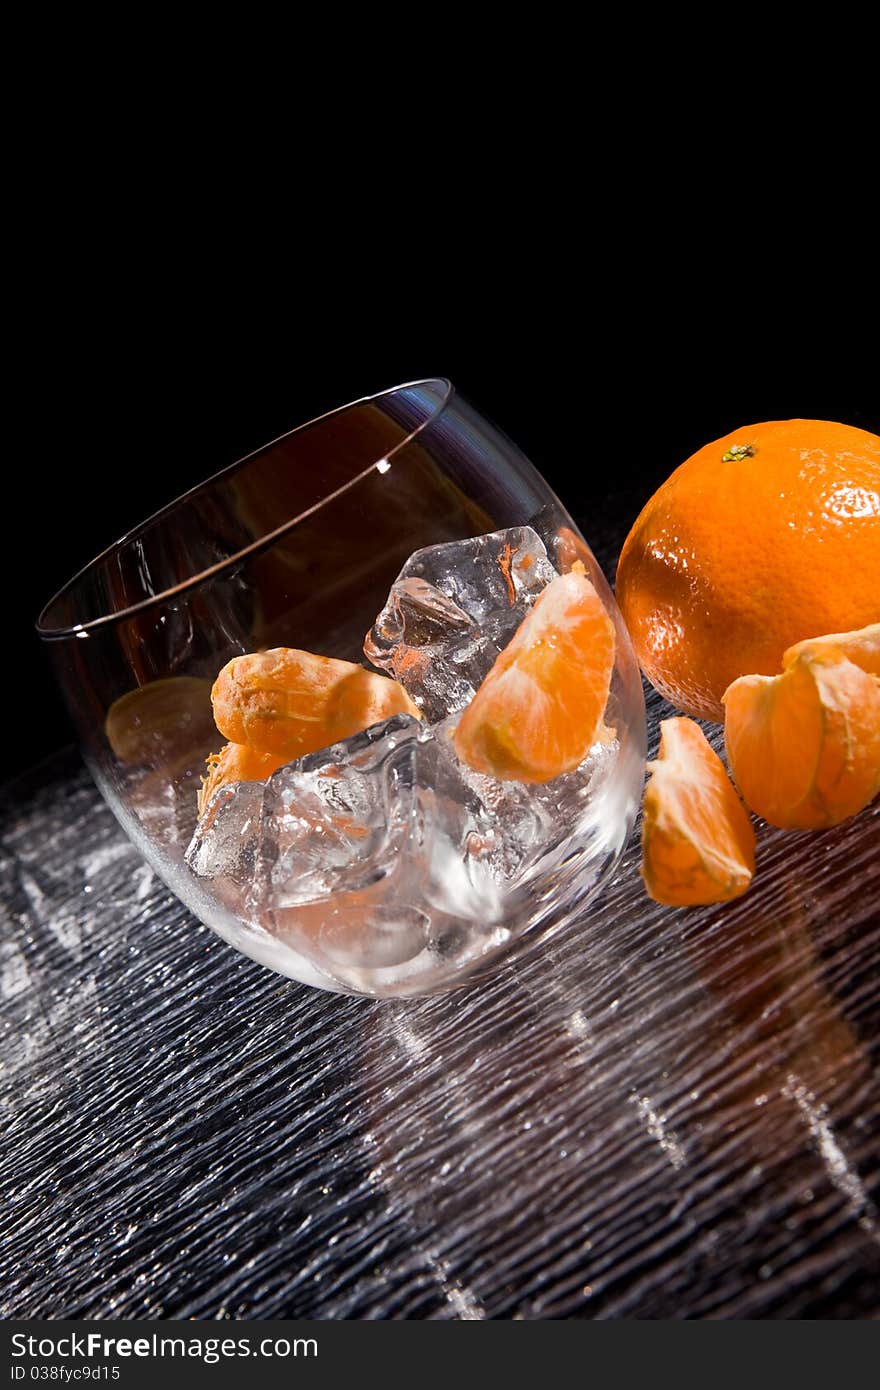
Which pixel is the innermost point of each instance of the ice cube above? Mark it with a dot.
(342, 852)
(490, 825)
(452, 609)
(377, 847)
(226, 844)
(511, 827)
(336, 820)
(370, 851)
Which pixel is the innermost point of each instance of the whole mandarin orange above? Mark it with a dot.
(759, 540)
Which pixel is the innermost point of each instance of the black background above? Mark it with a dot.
(143, 383)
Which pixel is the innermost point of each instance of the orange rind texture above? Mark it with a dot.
(539, 710)
(757, 540)
(698, 845)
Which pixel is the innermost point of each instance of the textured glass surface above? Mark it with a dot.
(657, 1113)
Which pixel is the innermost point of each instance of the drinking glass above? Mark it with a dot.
(297, 545)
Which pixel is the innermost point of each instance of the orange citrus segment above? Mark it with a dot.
(236, 763)
(698, 845)
(861, 647)
(290, 703)
(539, 710)
(804, 747)
(159, 722)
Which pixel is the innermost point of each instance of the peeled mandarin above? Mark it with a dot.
(289, 702)
(861, 647)
(804, 746)
(159, 722)
(236, 763)
(698, 845)
(539, 710)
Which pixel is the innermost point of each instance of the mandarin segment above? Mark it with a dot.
(236, 763)
(160, 722)
(861, 647)
(289, 702)
(698, 845)
(756, 541)
(539, 710)
(804, 746)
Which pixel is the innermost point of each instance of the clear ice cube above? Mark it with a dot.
(511, 826)
(342, 851)
(226, 843)
(381, 847)
(452, 609)
(336, 820)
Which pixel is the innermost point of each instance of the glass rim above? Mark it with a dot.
(50, 632)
